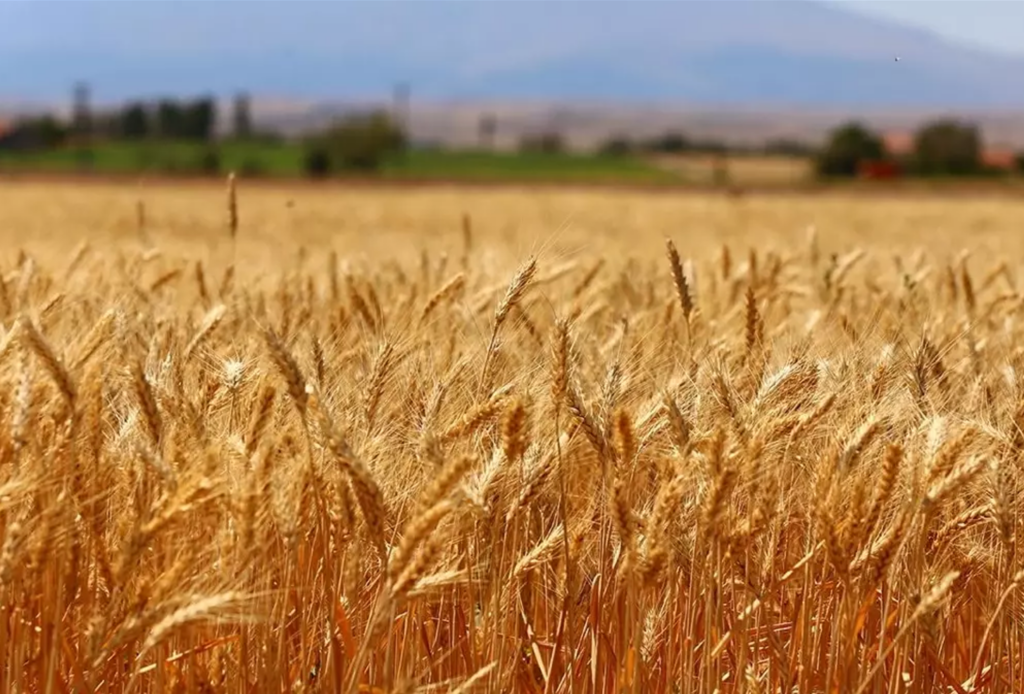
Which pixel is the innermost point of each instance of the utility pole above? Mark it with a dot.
(242, 126)
(488, 130)
(82, 123)
(401, 106)
(81, 114)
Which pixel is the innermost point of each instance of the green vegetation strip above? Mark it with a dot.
(287, 160)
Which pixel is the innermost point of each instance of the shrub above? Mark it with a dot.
(357, 143)
(947, 148)
(41, 133)
(846, 148)
(317, 162)
(542, 143)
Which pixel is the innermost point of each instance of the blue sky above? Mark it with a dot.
(991, 24)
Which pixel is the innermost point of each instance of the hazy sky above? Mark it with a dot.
(992, 24)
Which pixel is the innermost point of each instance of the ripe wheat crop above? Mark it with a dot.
(782, 462)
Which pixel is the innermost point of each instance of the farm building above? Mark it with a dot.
(6, 133)
(900, 145)
(999, 158)
(879, 170)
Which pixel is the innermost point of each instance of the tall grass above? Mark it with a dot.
(779, 473)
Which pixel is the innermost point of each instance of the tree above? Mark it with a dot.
(1020, 162)
(847, 147)
(42, 132)
(317, 162)
(359, 142)
(190, 120)
(947, 147)
(198, 119)
(134, 122)
(170, 119)
(242, 118)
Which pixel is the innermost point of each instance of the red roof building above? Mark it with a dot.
(879, 170)
(999, 158)
(898, 144)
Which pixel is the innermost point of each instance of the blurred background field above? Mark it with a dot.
(189, 217)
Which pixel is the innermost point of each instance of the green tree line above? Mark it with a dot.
(187, 120)
(363, 142)
(943, 147)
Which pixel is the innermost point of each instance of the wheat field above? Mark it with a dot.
(326, 439)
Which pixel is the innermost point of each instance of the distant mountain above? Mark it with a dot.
(766, 52)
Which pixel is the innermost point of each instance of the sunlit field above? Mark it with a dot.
(742, 170)
(491, 440)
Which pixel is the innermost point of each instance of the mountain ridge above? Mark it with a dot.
(784, 53)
